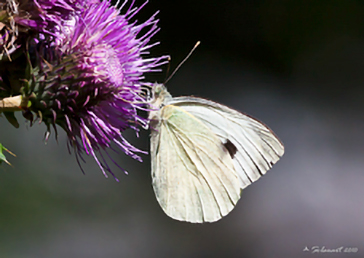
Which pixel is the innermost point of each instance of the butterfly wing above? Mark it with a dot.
(257, 147)
(193, 174)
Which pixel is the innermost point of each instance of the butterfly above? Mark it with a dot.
(203, 154)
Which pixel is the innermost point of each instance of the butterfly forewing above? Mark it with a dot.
(257, 146)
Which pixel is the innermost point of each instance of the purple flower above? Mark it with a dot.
(21, 19)
(92, 83)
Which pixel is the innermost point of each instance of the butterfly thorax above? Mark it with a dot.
(160, 98)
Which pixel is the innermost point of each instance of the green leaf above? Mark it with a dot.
(2, 156)
(11, 119)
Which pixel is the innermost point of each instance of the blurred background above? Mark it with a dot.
(296, 65)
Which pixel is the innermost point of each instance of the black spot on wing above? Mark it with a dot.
(231, 148)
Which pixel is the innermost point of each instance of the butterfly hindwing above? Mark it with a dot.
(194, 178)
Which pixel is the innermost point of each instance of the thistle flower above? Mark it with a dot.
(21, 19)
(25, 23)
(92, 83)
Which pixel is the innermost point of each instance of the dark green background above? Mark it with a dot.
(296, 65)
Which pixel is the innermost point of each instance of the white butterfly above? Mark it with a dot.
(203, 154)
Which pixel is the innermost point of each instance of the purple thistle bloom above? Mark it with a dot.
(93, 88)
(45, 15)
(20, 19)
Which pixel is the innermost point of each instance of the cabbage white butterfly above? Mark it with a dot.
(203, 154)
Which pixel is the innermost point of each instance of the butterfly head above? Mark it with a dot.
(160, 95)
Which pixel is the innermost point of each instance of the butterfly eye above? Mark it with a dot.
(157, 89)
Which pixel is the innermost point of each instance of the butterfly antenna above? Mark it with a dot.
(183, 61)
(168, 68)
